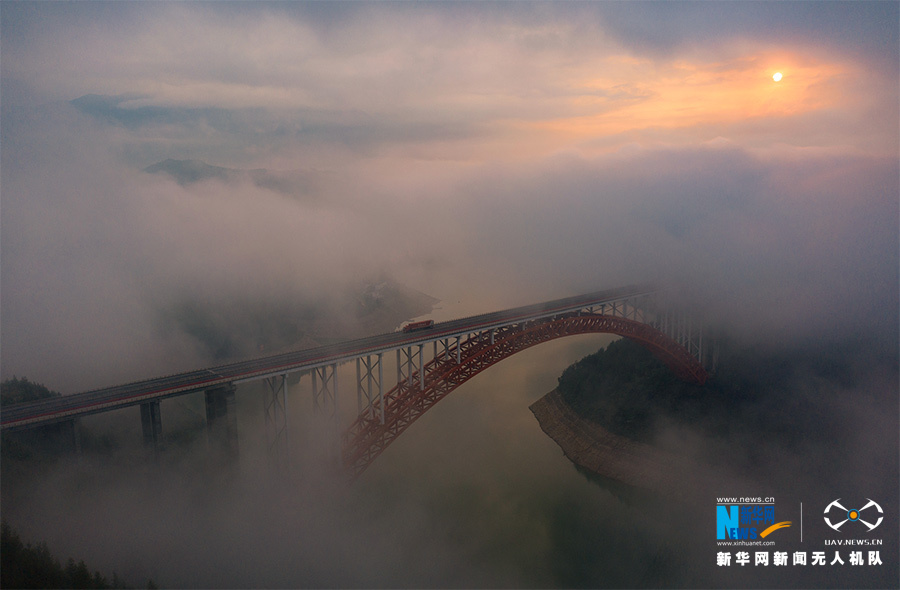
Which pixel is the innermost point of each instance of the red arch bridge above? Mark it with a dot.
(431, 362)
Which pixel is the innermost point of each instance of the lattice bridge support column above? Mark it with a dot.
(369, 385)
(409, 364)
(324, 381)
(325, 409)
(275, 401)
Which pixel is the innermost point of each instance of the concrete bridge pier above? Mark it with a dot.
(221, 421)
(73, 433)
(151, 425)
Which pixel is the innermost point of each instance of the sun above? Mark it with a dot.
(777, 77)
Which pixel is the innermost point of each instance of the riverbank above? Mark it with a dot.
(599, 451)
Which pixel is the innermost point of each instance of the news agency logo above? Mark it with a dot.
(841, 516)
(747, 521)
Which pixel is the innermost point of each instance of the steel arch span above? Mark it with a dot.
(372, 432)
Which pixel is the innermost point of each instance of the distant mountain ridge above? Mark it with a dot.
(190, 171)
(186, 172)
(230, 328)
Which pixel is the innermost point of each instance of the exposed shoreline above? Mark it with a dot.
(600, 451)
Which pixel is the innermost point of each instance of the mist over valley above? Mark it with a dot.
(188, 185)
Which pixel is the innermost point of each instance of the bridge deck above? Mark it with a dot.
(108, 398)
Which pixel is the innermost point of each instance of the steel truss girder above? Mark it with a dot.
(366, 439)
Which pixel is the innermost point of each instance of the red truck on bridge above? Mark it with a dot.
(415, 326)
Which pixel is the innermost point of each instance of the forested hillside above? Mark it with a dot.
(23, 565)
(17, 391)
(626, 389)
